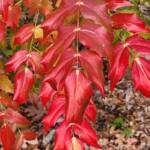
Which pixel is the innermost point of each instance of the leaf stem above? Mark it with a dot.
(19, 2)
(77, 34)
(36, 17)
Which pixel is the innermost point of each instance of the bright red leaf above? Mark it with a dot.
(14, 117)
(47, 93)
(57, 76)
(7, 137)
(16, 61)
(86, 133)
(139, 44)
(96, 12)
(131, 22)
(134, 44)
(22, 85)
(24, 57)
(2, 31)
(78, 92)
(56, 18)
(141, 75)
(29, 135)
(63, 132)
(9, 19)
(95, 73)
(24, 34)
(115, 4)
(53, 53)
(120, 64)
(56, 110)
(91, 111)
(4, 6)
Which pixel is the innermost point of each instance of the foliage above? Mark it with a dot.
(60, 48)
(119, 123)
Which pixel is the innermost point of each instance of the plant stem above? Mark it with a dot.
(77, 35)
(19, 2)
(36, 17)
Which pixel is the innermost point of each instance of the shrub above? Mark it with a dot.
(59, 47)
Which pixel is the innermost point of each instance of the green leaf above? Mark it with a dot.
(38, 32)
(118, 122)
(145, 35)
(129, 10)
(146, 20)
(121, 35)
(8, 52)
(135, 1)
(126, 132)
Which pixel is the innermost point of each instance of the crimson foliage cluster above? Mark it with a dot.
(63, 49)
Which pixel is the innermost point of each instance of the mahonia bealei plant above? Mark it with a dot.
(64, 47)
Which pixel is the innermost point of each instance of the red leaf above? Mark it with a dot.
(56, 110)
(91, 111)
(29, 135)
(141, 75)
(86, 134)
(9, 19)
(57, 76)
(135, 44)
(23, 84)
(47, 93)
(34, 61)
(7, 137)
(136, 28)
(16, 61)
(93, 35)
(130, 21)
(90, 36)
(4, 4)
(15, 118)
(21, 57)
(7, 101)
(2, 116)
(63, 132)
(120, 64)
(139, 44)
(121, 18)
(78, 94)
(93, 10)
(2, 31)
(96, 11)
(56, 18)
(24, 135)
(19, 141)
(63, 41)
(94, 68)
(24, 34)
(115, 4)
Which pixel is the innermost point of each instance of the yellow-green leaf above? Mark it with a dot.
(5, 84)
(38, 32)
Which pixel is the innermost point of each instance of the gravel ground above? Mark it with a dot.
(130, 109)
